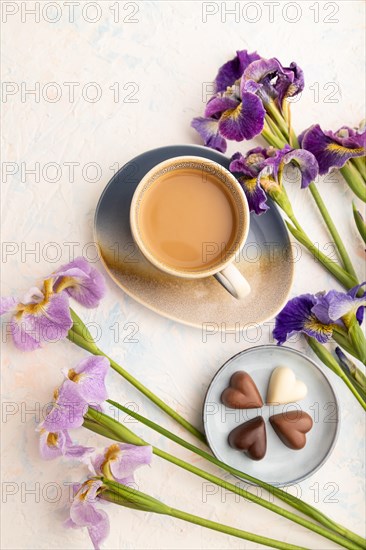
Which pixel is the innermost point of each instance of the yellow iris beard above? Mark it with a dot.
(340, 149)
(232, 113)
(316, 326)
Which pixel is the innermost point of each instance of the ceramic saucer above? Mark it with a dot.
(281, 465)
(266, 260)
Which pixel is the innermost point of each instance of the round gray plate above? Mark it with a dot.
(281, 465)
(266, 260)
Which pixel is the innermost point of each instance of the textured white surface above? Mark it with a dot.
(167, 56)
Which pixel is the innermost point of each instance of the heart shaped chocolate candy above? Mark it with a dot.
(242, 392)
(250, 437)
(284, 388)
(292, 427)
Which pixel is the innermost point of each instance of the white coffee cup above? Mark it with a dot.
(224, 269)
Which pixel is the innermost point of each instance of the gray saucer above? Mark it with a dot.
(266, 260)
(281, 465)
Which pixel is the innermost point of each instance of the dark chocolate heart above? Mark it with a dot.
(250, 437)
(242, 392)
(292, 427)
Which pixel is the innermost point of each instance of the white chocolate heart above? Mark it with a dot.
(284, 388)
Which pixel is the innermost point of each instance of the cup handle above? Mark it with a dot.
(233, 281)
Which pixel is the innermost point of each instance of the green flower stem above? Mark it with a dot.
(353, 373)
(327, 358)
(270, 137)
(275, 130)
(287, 498)
(346, 280)
(357, 338)
(354, 180)
(346, 260)
(275, 491)
(253, 498)
(92, 348)
(360, 163)
(358, 387)
(273, 111)
(360, 222)
(80, 328)
(117, 429)
(340, 336)
(294, 142)
(269, 543)
(126, 496)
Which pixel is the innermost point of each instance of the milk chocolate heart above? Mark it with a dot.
(291, 428)
(242, 392)
(284, 388)
(250, 437)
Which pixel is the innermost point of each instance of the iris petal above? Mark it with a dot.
(208, 129)
(330, 149)
(232, 70)
(244, 121)
(296, 317)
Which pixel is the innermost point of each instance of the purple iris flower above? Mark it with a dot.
(247, 170)
(233, 70)
(291, 84)
(244, 86)
(84, 512)
(317, 315)
(260, 78)
(54, 444)
(208, 129)
(81, 281)
(120, 460)
(298, 317)
(334, 305)
(272, 82)
(88, 378)
(333, 149)
(260, 172)
(240, 113)
(42, 316)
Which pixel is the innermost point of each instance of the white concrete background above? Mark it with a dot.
(168, 53)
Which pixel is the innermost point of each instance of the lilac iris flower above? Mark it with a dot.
(85, 513)
(88, 379)
(261, 170)
(244, 86)
(55, 444)
(84, 386)
(120, 460)
(81, 281)
(333, 149)
(318, 315)
(67, 410)
(42, 316)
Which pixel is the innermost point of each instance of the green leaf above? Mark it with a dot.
(360, 222)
